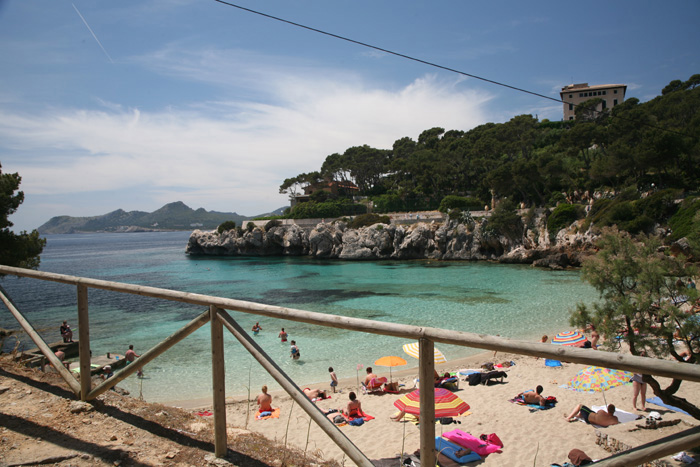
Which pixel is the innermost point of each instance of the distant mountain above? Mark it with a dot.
(173, 216)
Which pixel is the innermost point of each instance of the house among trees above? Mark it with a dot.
(335, 189)
(610, 95)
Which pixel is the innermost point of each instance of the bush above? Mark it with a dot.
(681, 222)
(387, 203)
(365, 220)
(460, 202)
(328, 209)
(250, 226)
(562, 216)
(272, 223)
(505, 220)
(225, 226)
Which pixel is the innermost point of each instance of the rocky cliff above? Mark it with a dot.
(450, 240)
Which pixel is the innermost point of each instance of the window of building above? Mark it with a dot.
(614, 102)
(605, 92)
(571, 118)
(571, 106)
(605, 104)
(614, 91)
(571, 96)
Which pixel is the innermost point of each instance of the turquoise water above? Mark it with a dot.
(509, 300)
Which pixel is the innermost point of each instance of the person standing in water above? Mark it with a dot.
(256, 329)
(282, 335)
(294, 351)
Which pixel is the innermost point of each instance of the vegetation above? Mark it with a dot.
(634, 148)
(365, 220)
(225, 226)
(505, 221)
(563, 216)
(18, 250)
(641, 292)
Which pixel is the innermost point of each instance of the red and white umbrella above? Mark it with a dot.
(447, 404)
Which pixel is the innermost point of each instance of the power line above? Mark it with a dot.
(425, 62)
(435, 65)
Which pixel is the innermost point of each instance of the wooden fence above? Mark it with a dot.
(218, 318)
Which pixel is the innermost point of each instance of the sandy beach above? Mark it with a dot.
(530, 437)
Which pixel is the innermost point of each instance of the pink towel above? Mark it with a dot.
(483, 448)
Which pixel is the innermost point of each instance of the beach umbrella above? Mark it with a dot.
(598, 379)
(390, 361)
(412, 350)
(447, 404)
(574, 338)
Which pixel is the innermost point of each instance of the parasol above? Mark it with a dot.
(390, 361)
(447, 404)
(413, 348)
(598, 379)
(574, 338)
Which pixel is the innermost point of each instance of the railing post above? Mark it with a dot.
(426, 372)
(218, 382)
(84, 342)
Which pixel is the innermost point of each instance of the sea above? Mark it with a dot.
(514, 301)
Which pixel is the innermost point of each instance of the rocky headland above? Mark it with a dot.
(438, 240)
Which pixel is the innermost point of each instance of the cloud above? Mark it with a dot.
(228, 154)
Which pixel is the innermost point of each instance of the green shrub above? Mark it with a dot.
(250, 226)
(365, 220)
(327, 209)
(227, 225)
(505, 220)
(681, 222)
(562, 216)
(463, 203)
(387, 203)
(272, 223)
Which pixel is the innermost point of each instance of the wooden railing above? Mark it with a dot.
(218, 317)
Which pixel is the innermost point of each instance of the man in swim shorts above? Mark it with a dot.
(264, 401)
(534, 397)
(600, 418)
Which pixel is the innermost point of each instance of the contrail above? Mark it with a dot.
(93, 34)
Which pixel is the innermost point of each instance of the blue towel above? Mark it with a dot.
(660, 403)
(549, 362)
(449, 449)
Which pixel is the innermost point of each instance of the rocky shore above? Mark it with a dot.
(447, 240)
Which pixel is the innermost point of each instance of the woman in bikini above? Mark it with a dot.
(354, 407)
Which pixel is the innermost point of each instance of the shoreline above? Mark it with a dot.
(530, 436)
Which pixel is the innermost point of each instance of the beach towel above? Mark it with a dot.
(204, 413)
(465, 440)
(452, 451)
(660, 403)
(552, 363)
(621, 415)
(364, 416)
(549, 403)
(267, 415)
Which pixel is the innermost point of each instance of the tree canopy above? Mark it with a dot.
(23, 249)
(639, 145)
(645, 299)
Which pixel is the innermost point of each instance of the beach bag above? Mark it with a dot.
(447, 420)
(357, 421)
(492, 439)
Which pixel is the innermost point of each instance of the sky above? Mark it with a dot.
(138, 103)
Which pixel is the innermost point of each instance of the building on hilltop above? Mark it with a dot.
(335, 188)
(575, 94)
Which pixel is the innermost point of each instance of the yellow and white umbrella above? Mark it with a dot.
(412, 350)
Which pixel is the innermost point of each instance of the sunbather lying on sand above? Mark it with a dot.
(600, 418)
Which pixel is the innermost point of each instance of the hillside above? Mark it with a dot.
(172, 216)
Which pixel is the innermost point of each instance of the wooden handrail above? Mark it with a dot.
(635, 364)
(425, 335)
